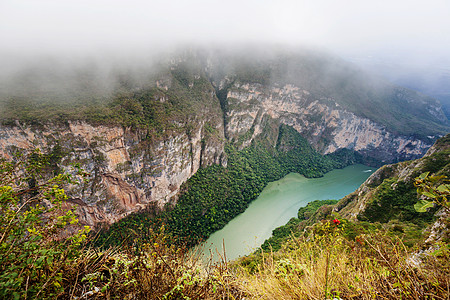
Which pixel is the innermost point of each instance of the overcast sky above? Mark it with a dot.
(408, 28)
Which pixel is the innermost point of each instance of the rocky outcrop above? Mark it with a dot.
(437, 162)
(326, 124)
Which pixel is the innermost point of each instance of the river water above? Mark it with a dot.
(277, 204)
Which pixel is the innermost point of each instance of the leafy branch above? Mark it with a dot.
(435, 188)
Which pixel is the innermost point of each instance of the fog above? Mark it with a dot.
(78, 27)
(96, 32)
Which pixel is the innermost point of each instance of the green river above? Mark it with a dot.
(276, 205)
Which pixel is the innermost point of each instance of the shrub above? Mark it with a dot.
(44, 254)
(33, 252)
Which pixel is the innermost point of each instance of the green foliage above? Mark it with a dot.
(436, 188)
(281, 234)
(295, 154)
(43, 253)
(33, 252)
(423, 205)
(344, 157)
(306, 212)
(293, 227)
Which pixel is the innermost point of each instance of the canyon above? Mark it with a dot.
(133, 166)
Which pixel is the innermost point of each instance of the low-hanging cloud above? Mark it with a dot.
(79, 26)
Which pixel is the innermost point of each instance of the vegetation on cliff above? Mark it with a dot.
(181, 86)
(165, 100)
(44, 254)
(394, 197)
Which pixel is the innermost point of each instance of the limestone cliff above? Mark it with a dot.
(326, 124)
(127, 171)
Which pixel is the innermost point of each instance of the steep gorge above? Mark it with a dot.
(141, 146)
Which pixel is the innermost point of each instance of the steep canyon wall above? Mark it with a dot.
(127, 172)
(326, 125)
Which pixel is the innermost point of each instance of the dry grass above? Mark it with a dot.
(328, 266)
(155, 271)
(322, 265)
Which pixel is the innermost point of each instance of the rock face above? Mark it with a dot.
(326, 125)
(127, 171)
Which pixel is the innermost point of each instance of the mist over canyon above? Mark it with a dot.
(143, 131)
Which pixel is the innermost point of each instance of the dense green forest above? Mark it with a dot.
(215, 195)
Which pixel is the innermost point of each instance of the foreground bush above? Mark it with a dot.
(44, 253)
(155, 271)
(33, 253)
(325, 265)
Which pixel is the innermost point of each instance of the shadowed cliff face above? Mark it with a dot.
(141, 146)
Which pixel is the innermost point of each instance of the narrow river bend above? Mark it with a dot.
(277, 204)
